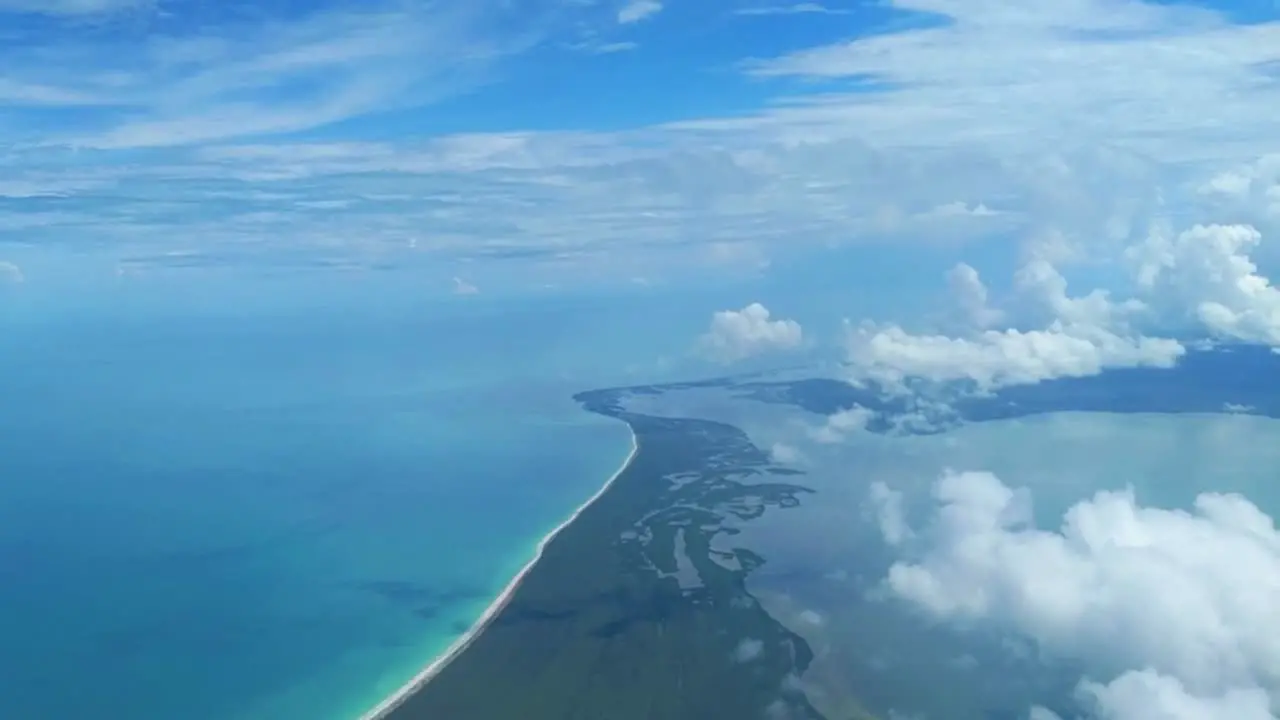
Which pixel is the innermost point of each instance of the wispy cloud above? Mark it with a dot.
(608, 48)
(271, 76)
(1063, 125)
(637, 10)
(804, 8)
(73, 8)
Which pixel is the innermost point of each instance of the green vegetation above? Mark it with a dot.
(602, 629)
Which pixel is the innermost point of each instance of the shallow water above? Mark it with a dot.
(825, 558)
(267, 518)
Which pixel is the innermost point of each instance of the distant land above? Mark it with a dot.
(630, 614)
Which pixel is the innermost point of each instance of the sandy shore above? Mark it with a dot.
(393, 701)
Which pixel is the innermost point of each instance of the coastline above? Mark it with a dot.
(389, 704)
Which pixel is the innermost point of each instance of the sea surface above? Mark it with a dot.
(229, 516)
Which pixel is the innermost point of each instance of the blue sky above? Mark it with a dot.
(539, 143)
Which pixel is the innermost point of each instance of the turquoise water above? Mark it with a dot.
(282, 517)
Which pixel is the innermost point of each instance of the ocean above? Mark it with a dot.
(229, 516)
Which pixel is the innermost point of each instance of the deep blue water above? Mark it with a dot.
(276, 517)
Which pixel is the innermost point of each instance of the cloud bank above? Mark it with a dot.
(1173, 612)
(971, 121)
(1080, 336)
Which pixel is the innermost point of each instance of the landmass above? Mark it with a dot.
(629, 614)
(630, 611)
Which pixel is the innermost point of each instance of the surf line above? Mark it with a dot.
(384, 709)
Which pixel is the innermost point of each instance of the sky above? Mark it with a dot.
(994, 192)
(546, 141)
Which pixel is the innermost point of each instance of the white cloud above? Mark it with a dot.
(1147, 695)
(1253, 186)
(786, 454)
(1208, 271)
(72, 7)
(10, 273)
(839, 425)
(271, 76)
(971, 297)
(462, 287)
(999, 69)
(811, 617)
(1080, 336)
(804, 8)
(887, 504)
(607, 48)
(739, 334)
(637, 10)
(959, 208)
(1074, 120)
(748, 649)
(1177, 608)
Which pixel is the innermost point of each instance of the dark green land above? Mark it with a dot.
(601, 629)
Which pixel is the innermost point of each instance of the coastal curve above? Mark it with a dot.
(384, 709)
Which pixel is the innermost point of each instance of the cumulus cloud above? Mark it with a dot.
(970, 295)
(1251, 187)
(739, 334)
(1148, 695)
(1207, 270)
(840, 425)
(1080, 336)
(785, 454)
(637, 10)
(1175, 610)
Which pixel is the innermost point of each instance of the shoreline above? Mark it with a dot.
(389, 704)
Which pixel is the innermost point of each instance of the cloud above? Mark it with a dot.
(72, 8)
(274, 75)
(811, 617)
(1207, 269)
(747, 650)
(1251, 188)
(840, 425)
(606, 48)
(1080, 336)
(970, 295)
(462, 287)
(998, 69)
(963, 129)
(1148, 695)
(888, 508)
(786, 454)
(740, 334)
(10, 273)
(637, 10)
(1176, 608)
(804, 8)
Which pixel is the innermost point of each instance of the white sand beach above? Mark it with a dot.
(393, 701)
